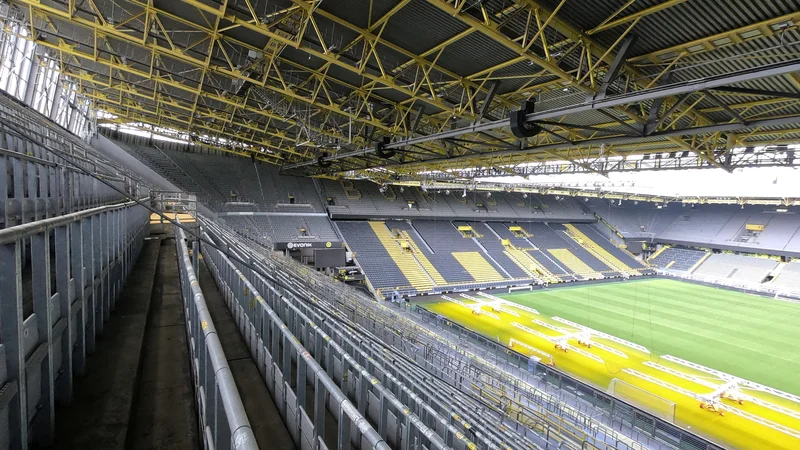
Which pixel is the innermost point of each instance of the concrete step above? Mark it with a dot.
(164, 412)
(100, 412)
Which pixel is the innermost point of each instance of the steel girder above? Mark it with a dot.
(586, 46)
(613, 102)
(770, 156)
(185, 55)
(103, 29)
(537, 20)
(588, 192)
(338, 115)
(522, 44)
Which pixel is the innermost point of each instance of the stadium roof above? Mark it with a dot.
(311, 85)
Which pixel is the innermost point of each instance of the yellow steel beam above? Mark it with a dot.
(115, 64)
(128, 88)
(178, 54)
(315, 90)
(130, 115)
(310, 9)
(605, 55)
(611, 22)
(420, 60)
(491, 29)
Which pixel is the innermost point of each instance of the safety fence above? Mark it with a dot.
(46, 172)
(222, 416)
(286, 347)
(59, 280)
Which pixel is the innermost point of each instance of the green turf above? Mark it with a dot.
(753, 337)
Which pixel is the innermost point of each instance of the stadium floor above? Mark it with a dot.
(741, 334)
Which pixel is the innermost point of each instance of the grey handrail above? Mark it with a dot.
(338, 401)
(29, 229)
(208, 353)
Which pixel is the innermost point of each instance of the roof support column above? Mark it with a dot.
(56, 99)
(34, 72)
(616, 65)
(488, 100)
(73, 116)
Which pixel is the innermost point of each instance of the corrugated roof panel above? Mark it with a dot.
(358, 13)
(680, 23)
(473, 54)
(521, 74)
(420, 26)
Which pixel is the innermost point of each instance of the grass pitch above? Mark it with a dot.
(749, 336)
(742, 334)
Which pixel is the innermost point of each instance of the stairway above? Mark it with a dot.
(350, 191)
(574, 264)
(530, 265)
(409, 266)
(598, 251)
(477, 267)
(423, 260)
(658, 252)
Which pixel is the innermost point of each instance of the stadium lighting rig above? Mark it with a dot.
(731, 388)
(516, 343)
(725, 376)
(494, 304)
(599, 334)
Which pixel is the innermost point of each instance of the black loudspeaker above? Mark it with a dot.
(321, 161)
(519, 127)
(380, 148)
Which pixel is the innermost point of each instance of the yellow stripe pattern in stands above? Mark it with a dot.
(183, 217)
(598, 251)
(408, 265)
(530, 265)
(438, 279)
(574, 264)
(698, 263)
(477, 266)
(658, 252)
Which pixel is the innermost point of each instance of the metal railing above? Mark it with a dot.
(45, 171)
(59, 280)
(275, 348)
(222, 416)
(542, 388)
